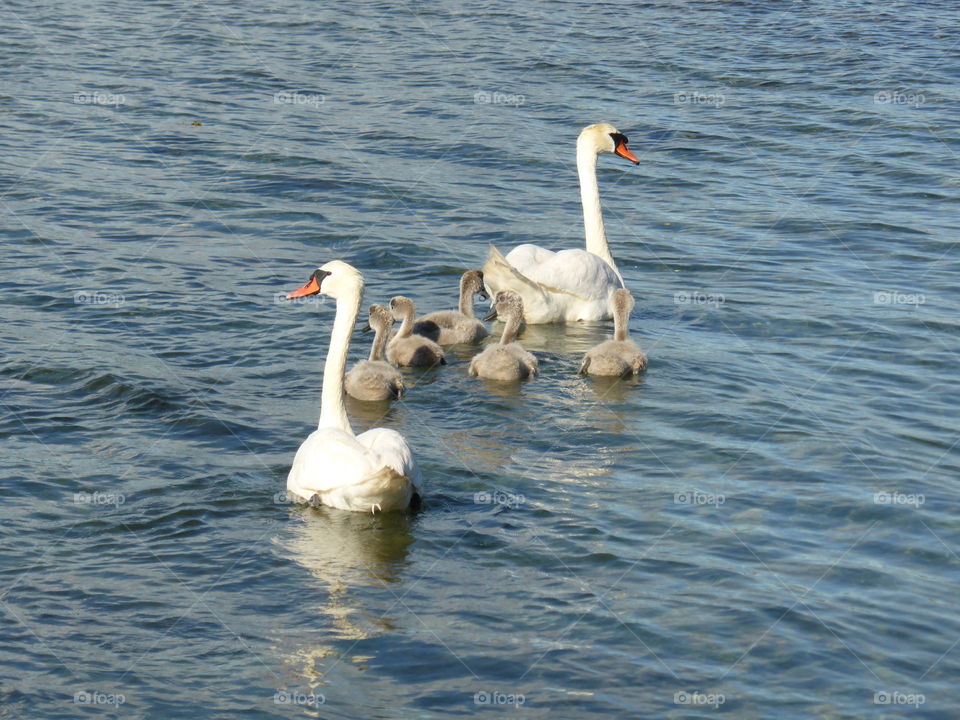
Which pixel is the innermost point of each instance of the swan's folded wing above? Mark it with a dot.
(577, 272)
(527, 256)
(391, 450)
(498, 275)
(570, 285)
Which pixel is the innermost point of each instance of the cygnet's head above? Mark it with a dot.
(506, 305)
(401, 307)
(472, 283)
(380, 318)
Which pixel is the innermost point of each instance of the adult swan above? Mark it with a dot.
(371, 472)
(570, 284)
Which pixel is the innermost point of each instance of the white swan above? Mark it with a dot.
(505, 360)
(406, 349)
(374, 471)
(374, 380)
(619, 356)
(570, 284)
(455, 327)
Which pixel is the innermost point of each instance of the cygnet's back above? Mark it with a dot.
(407, 349)
(454, 327)
(619, 356)
(374, 380)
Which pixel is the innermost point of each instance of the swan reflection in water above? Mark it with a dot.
(356, 558)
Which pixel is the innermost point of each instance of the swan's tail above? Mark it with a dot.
(498, 275)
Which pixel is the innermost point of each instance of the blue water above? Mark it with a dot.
(762, 526)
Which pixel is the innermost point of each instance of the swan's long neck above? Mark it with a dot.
(379, 342)
(333, 413)
(466, 299)
(621, 318)
(590, 198)
(511, 328)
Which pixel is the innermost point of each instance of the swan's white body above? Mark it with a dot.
(563, 286)
(374, 471)
(571, 284)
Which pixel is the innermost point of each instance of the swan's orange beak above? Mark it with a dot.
(622, 150)
(311, 288)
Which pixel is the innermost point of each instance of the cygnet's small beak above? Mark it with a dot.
(483, 294)
(366, 328)
(491, 316)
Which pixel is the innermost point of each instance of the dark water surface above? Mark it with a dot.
(763, 526)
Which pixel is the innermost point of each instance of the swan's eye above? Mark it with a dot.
(619, 138)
